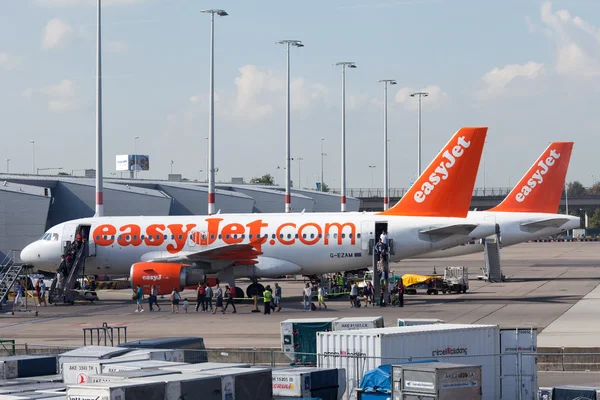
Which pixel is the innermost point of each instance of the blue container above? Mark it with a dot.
(197, 353)
(326, 394)
(27, 366)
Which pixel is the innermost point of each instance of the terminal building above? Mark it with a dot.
(31, 204)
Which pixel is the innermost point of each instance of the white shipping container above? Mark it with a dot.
(77, 373)
(355, 323)
(123, 390)
(418, 321)
(188, 386)
(360, 351)
(90, 353)
(123, 375)
(518, 365)
(154, 354)
(136, 365)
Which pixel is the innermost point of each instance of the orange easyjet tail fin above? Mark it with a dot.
(446, 186)
(541, 188)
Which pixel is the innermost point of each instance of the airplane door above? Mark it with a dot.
(367, 234)
(68, 234)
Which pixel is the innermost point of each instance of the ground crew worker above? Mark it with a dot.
(267, 299)
(340, 281)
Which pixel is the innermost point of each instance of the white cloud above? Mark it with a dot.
(436, 97)
(57, 34)
(71, 3)
(497, 80)
(577, 43)
(62, 96)
(261, 91)
(9, 61)
(27, 93)
(116, 46)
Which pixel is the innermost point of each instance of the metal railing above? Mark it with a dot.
(399, 192)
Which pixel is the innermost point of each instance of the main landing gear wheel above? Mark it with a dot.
(239, 294)
(255, 289)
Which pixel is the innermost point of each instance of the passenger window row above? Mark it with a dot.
(54, 236)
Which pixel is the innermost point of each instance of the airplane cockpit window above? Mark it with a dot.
(55, 237)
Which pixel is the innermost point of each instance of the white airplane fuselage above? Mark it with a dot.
(311, 243)
(512, 230)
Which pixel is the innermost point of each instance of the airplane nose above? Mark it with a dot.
(28, 254)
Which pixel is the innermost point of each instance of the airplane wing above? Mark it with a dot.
(544, 223)
(449, 230)
(233, 254)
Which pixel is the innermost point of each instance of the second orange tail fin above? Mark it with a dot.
(541, 188)
(446, 186)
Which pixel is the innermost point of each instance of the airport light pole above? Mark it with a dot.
(7, 165)
(32, 156)
(372, 168)
(288, 197)
(419, 95)
(322, 154)
(211, 112)
(386, 189)
(344, 64)
(171, 162)
(99, 211)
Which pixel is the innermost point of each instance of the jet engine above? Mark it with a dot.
(165, 276)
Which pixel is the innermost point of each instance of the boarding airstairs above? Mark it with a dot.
(492, 271)
(61, 290)
(9, 274)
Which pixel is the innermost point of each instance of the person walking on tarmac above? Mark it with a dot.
(277, 299)
(267, 296)
(229, 293)
(201, 297)
(139, 296)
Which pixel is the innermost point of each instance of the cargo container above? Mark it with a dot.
(79, 373)
(360, 351)
(30, 387)
(195, 350)
(33, 396)
(154, 354)
(437, 380)
(90, 353)
(298, 338)
(244, 383)
(518, 363)
(123, 375)
(575, 393)
(354, 323)
(137, 365)
(189, 387)
(26, 366)
(40, 379)
(121, 390)
(76, 373)
(203, 367)
(303, 381)
(418, 321)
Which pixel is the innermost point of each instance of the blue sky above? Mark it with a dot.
(528, 69)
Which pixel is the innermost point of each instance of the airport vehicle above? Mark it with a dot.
(180, 251)
(456, 279)
(529, 210)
